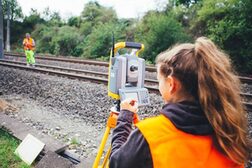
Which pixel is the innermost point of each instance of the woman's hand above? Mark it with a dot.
(129, 104)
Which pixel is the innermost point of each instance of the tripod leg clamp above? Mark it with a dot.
(112, 120)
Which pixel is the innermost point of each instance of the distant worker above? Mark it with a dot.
(29, 46)
(203, 123)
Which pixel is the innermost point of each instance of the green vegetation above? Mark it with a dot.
(8, 145)
(227, 22)
(153, 27)
(74, 141)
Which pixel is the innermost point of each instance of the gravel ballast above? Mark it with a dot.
(85, 100)
(246, 88)
(64, 108)
(69, 110)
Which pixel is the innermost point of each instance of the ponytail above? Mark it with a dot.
(218, 90)
(205, 72)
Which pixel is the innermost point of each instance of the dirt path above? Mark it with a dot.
(85, 139)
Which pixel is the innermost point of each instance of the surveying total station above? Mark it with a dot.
(126, 74)
(126, 80)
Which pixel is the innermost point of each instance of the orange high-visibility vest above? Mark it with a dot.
(28, 44)
(172, 148)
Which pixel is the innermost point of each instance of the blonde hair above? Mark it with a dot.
(205, 72)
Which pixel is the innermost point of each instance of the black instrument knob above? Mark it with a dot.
(133, 68)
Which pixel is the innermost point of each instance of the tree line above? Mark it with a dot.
(227, 22)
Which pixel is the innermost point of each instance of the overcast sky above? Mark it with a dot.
(67, 8)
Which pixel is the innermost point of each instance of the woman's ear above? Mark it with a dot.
(173, 84)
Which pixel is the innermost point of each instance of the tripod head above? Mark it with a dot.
(126, 74)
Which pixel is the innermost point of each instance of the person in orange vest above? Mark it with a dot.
(29, 47)
(203, 123)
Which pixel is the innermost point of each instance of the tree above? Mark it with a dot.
(55, 19)
(44, 36)
(51, 18)
(66, 41)
(86, 28)
(12, 12)
(130, 26)
(58, 40)
(74, 21)
(98, 43)
(15, 9)
(229, 24)
(32, 20)
(96, 14)
(186, 2)
(158, 32)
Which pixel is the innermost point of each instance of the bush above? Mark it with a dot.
(66, 41)
(43, 37)
(58, 40)
(158, 32)
(229, 24)
(99, 42)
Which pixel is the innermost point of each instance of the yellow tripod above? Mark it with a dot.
(111, 123)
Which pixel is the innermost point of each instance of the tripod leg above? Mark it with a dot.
(106, 158)
(101, 148)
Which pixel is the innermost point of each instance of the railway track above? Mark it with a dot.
(67, 72)
(97, 77)
(74, 60)
(98, 63)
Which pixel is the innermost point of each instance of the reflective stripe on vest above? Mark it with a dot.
(172, 148)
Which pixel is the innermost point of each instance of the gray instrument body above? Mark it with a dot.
(127, 73)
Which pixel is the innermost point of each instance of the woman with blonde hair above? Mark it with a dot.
(203, 123)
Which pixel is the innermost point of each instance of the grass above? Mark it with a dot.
(74, 141)
(8, 145)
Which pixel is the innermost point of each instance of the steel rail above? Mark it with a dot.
(59, 73)
(75, 60)
(58, 68)
(63, 59)
(99, 63)
(89, 78)
(104, 75)
(71, 70)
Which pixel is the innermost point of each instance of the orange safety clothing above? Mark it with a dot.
(173, 148)
(28, 44)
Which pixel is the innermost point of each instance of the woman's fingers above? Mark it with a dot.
(129, 104)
